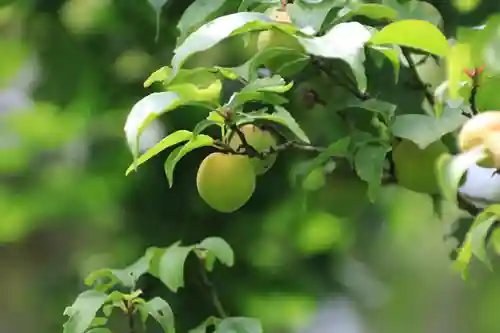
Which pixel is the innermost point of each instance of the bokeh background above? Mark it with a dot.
(70, 70)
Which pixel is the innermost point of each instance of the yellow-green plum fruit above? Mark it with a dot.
(483, 129)
(315, 180)
(416, 168)
(275, 37)
(226, 182)
(343, 195)
(260, 140)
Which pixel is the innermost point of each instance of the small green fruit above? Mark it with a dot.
(260, 140)
(416, 168)
(315, 180)
(344, 194)
(225, 182)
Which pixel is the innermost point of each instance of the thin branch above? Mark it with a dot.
(428, 95)
(213, 291)
(473, 92)
(130, 316)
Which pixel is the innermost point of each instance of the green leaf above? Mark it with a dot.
(338, 148)
(474, 243)
(265, 89)
(127, 277)
(201, 140)
(169, 141)
(196, 14)
(487, 97)
(171, 266)
(409, 33)
(213, 32)
(83, 311)
(385, 109)
(274, 84)
(161, 311)
(457, 60)
(369, 162)
(345, 41)
(202, 328)
(220, 248)
(310, 16)
(392, 54)
(279, 60)
(99, 321)
(373, 11)
(415, 9)
(160, 75)
(203, 125)
(450, 170)
(239, 325)
(423, 129)
(143, 112)
(99, 330)
(284, 118)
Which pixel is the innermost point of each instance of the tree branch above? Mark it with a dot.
(213, 291)
(428, 95)
(130, 316)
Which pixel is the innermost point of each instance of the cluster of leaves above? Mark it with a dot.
(92, 308)
(330, 36)
(334, 38)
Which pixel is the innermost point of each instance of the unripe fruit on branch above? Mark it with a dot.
(483, 129)
(225, 182)
(276, 38)
(261, 140)
(416, 168)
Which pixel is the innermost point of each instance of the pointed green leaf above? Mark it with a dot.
(83, 311)
(196, 14)
(369, 162)
(345, 41)
(284, 118)
(392, 54)
(171, 140)
(409, 33)
(143, 112)
(385, 109)
(99, 330)
(127, 277)
(239, 325)
(423, 129)
(220, 248)
(171, 266)
(373, 11)
(310, 16)
(474, 243)
(457, 60)
(161, 311)
(177, 154)
(213, 32)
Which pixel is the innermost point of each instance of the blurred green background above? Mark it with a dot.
(70, 70)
